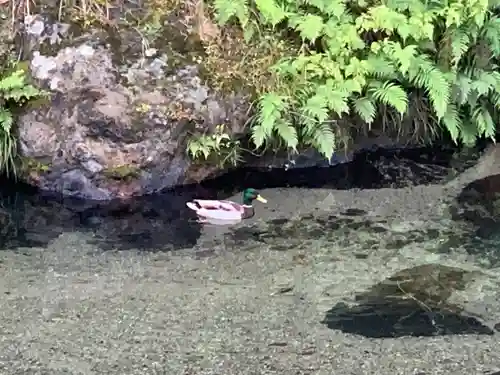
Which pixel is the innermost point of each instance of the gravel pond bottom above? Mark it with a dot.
(349, 282)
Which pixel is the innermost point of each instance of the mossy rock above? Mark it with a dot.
(123, 172)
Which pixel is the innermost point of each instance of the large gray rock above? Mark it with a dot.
(112, 130)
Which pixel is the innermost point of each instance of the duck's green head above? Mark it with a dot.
(249, 195)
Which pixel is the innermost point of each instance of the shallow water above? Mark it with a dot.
(162, 222)
(326, 253)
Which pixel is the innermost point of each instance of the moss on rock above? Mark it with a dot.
(122, 172)
(28, 164)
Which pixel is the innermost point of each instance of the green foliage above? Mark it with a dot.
(361, 60)
(14, 91)
(218, 145)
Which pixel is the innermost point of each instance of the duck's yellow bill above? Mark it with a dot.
(260, 199)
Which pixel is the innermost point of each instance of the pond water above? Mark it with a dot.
(162, 222)
(373, 249)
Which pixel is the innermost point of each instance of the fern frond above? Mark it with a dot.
(390, 94)
(491, 33)
(225, 10)
(335, 8)
(414, 6)
(484, 122)
(13, 81)
(357, 59)
(342, 36)
(452, 122)
(259, 135)
(365, 108)
(271, 11)
(336, 95)
(310, 26)
(468, 132)
(271, 106)
(459, 44)
(484, 81)
(402, 57)
(331, 7)
(287, 133)
(26, 92)
(316, 107)
(324, 140)
(6, 120)
(461, 88)
(495, 100)
(307, 67)
(200, 146)
(423, 73)
(380, 67)
(381, 18)
(308, 126)
(285, 67)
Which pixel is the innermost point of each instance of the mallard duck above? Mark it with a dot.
(224, 211)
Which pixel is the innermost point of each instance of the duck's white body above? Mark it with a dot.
(223, 211)
(218, 210)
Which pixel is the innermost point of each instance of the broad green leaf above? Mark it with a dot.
(310, 27)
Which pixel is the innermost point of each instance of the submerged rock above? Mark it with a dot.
(113, 129)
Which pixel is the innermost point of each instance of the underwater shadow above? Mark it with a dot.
(479, 203)
(349, 230)
(478, 207)
(413, 302)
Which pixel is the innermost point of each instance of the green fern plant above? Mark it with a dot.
(218, 145)
(14, 91)
(359, 60)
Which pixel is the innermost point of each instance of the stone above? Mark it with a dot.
(101, 116)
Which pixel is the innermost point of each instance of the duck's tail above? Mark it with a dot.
(195, 206)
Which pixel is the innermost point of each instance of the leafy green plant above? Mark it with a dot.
(218, 145)
(404, 62)
(14, 91)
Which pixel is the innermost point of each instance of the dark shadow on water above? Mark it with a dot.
(478, 205)
(413, 302)
(159, 222)
(383, 168)
(162, 222)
